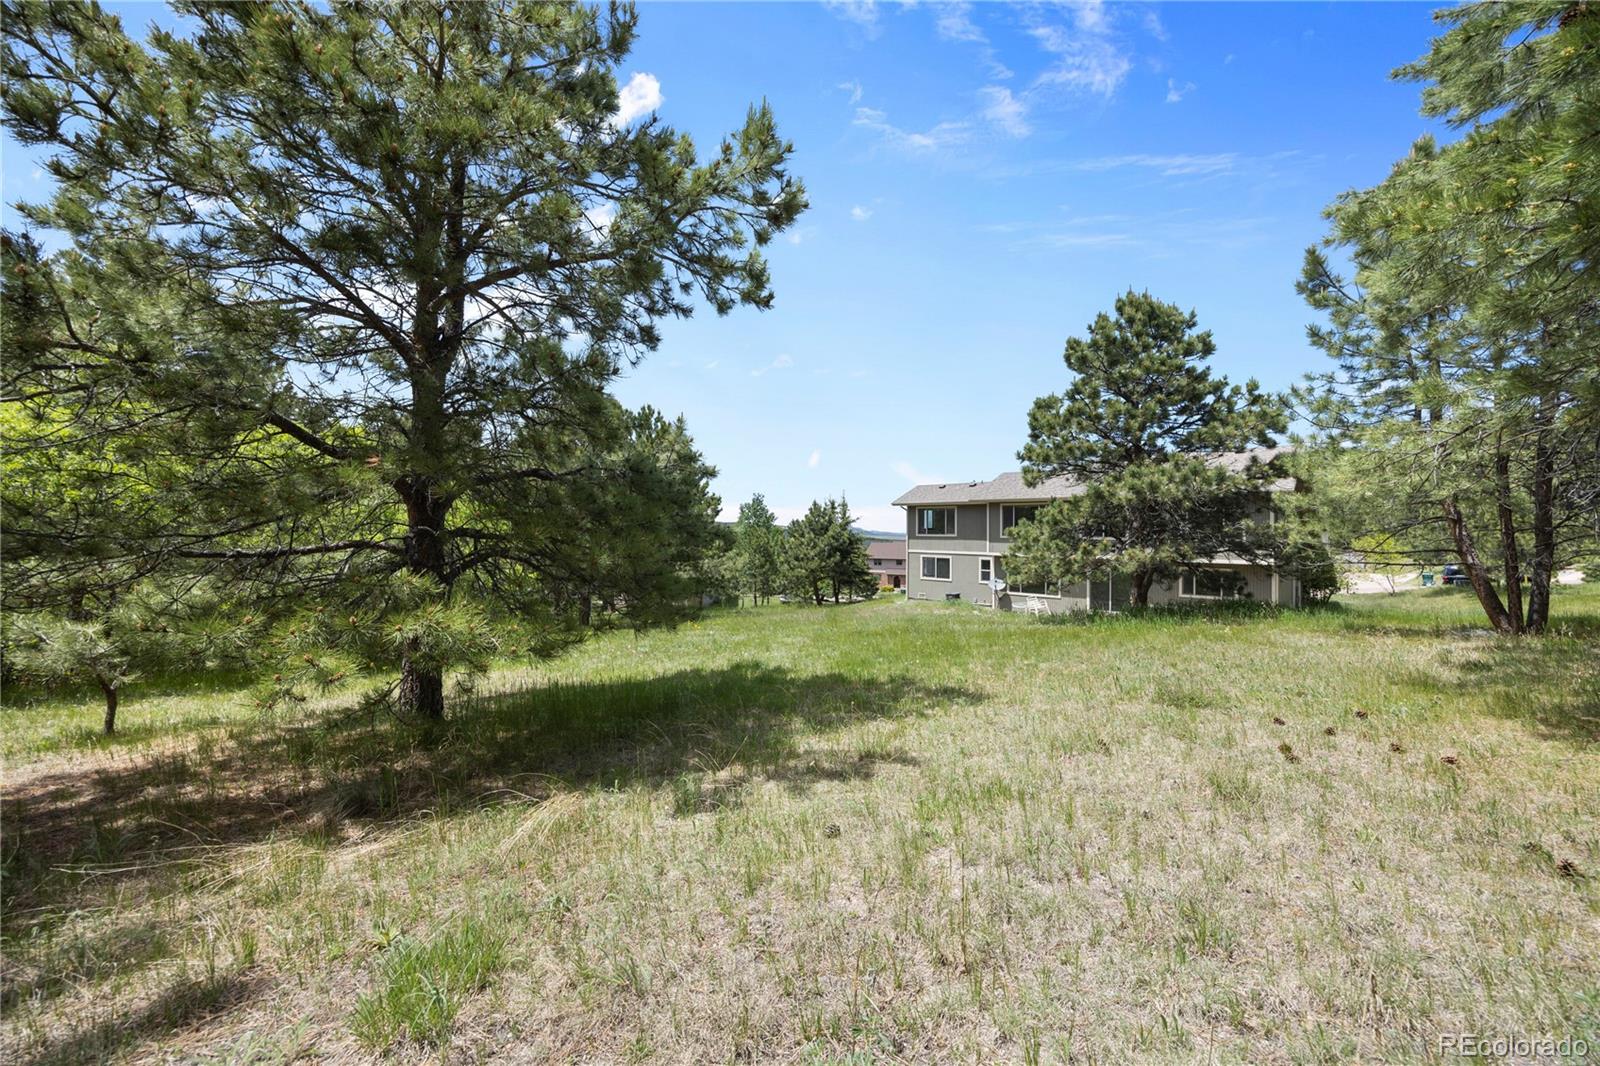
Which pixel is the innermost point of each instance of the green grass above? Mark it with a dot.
(420, 985)
(888, 832)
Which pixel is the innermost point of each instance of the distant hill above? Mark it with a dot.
(870, 534)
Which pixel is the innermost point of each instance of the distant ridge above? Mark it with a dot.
(870, 534)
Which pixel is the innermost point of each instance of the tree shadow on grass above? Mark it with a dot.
(80, 836)
(1551, 684)
(180, 1006)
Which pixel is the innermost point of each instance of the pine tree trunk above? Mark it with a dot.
(1508, 537)
(1544, 522)
(110, 723)
(422, 686)
(1467, 552)
(1139, 594)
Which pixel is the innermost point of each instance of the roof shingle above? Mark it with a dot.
(1009, 487)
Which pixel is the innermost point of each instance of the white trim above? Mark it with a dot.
(944, 551)
(955, 517)
(925, 577)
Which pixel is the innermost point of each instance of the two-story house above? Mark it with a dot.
(886, 559)
(957, 534)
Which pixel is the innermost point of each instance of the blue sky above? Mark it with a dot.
(984, 178)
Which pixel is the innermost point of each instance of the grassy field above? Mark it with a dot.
(888, 832)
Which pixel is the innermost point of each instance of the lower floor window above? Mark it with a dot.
(1037, 588)
(936, 567)
(1212, 585)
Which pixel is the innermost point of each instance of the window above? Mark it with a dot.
(1041, 588)
(1211, 585)
(936, 521)
(1012, 513)
(985, 571)
(936, 567)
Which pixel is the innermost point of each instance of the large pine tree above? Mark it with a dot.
(1140, 426)
(402, 249)
(1465, 407)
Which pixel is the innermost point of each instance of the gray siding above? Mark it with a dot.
(978, 537)
(972, 531)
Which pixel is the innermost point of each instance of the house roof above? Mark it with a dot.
(894, 550)
(1010, 488)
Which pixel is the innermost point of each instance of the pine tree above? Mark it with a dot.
(807, 558)
(1471, 297)
(407, 247)
(758, 548)
(847, 556)
(1140, 426)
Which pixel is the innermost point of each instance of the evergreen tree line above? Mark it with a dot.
(817, 558)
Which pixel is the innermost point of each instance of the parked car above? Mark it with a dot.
(1454, 575)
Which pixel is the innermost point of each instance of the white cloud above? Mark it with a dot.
(780, 363)
(1090, 15)
(1176, 92)
(1005, 110)
(863, 13)
(1087, 63)
(940, 136)
(1159, 235)
(712, 365)
(1227, 58)
(912, 474)
(1088, 56)
(1152, 24)
(853, 88)
(860, 214)
(1181, 165)
(953, 22)
(640, 96)
(815, 459)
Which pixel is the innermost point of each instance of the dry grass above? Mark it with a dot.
(884, 833)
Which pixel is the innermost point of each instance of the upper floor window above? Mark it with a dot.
(1012, 513)
(936, 521)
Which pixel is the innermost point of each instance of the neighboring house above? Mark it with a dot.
(887, 560)
(957, 535)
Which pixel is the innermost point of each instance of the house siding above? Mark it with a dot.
(972, 531)
(966, 552)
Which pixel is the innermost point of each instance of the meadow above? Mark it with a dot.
(885, 832)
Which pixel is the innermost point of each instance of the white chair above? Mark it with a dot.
(1034, 605)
